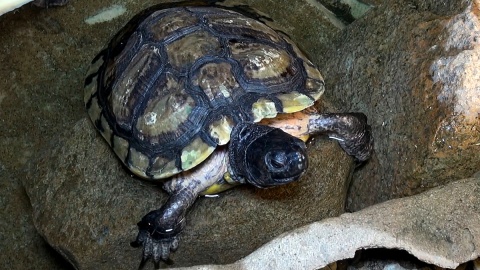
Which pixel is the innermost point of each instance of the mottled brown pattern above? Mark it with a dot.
(263, 62)
(186, 50)
(168, 23)
(216, 80)
(165, 111)
(132, 84)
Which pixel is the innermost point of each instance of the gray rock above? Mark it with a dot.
(371, 2)
(86, 205)
(415, 74)
(21, 247)
(439, 227)
(349, 9)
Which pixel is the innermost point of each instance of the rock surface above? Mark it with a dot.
(439, 226)
(414, 70)
(21, 247)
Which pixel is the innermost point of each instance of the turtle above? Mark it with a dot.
(204, 97)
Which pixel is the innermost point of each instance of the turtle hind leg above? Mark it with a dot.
(350, 130)
(159, 231)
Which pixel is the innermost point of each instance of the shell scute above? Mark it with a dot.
(194, 153)
(216, 80)
(231, 25)
(164, 26)
(263, 62)
(220, 130)
(165, 110)
(133, 83)
(183, 52)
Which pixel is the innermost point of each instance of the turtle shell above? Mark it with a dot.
(171, 85)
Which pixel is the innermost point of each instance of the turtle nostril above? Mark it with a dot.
(277, 160)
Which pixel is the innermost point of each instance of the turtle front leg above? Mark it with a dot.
(350, 130)
(159, 230)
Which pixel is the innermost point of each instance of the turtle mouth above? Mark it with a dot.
(269, 173)
(282, 181)
(286, 165)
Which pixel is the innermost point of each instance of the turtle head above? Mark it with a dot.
(266, 156)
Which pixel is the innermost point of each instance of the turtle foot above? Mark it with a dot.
(158, 234)
(156, 249)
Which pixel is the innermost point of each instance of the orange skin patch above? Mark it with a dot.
(295, 124)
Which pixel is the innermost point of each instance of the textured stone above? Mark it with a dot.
(21, 246)
(439, 227)
(415, 74)
(347, 9)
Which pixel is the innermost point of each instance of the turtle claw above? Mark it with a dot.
(156, 249)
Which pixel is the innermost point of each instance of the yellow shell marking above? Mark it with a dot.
(220, 130)
(107, 131)
(138, 163)
(263, 108)
(120, 147)
(294, 102)
(94, 111)
(194, 153)
(163, 168)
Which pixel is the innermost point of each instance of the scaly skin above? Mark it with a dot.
(350, 129)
